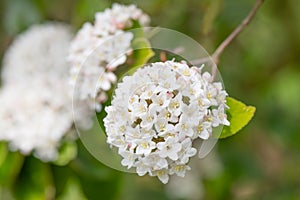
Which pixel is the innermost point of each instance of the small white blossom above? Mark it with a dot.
(99, 49)
(186, 151)
(128, 158)
(163, 108)
(162, 175)
(149, 119)
(169, 148)
(179, 169)
(219, 117)
(145, 147)
(204, 130)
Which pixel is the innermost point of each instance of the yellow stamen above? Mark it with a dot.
(122, 128)
(160, 101)
(175, 104)
(170, 135)
(121, 141)
(209, 95)
(200, 102)
(160, 173)
(142, 109)
(149, 118)
(186, 72)
(209, 119)
(179, 168)
(167, 85)
(145, 145)
(192, 92)
(161, 127)
(131, 100)
(184, 127)
(168, 115)
(200, 128)
(149, 93)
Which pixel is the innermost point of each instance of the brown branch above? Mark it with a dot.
(218, 52)
(216, 55)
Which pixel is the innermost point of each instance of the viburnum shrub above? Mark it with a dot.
(161, 104)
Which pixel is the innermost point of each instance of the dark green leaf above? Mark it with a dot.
(142, 51)
(34, 181)
(10, 165)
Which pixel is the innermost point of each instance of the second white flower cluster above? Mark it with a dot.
(99, 49)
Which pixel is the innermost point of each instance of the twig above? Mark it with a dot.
(218, 52)
(216, 55)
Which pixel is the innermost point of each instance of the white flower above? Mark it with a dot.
(36, 105)
(162, 126)
(139, 109)
(128, 158)
(141, 168)
(185, 127)
(145, 147)
(28, 55)
(163, 175)
(160, 100)
(164, 107)
(179, 169)
(119, 17)
(150, 163)
(149, 119)
(105, 80)
(191, 114)
(99, 49)
(169, 148)
(175, 105)
(220, 116)
(186, 151)
(204, 130)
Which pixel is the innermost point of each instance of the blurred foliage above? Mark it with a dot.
(261, 67)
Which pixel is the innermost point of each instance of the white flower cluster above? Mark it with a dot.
(39, 53)
(158, 112)
(36, 105)
(99, 49)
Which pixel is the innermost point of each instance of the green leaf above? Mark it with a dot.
(239, 116)
(34, 181)
(67, 152)
(142, 51)
(10, 165)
